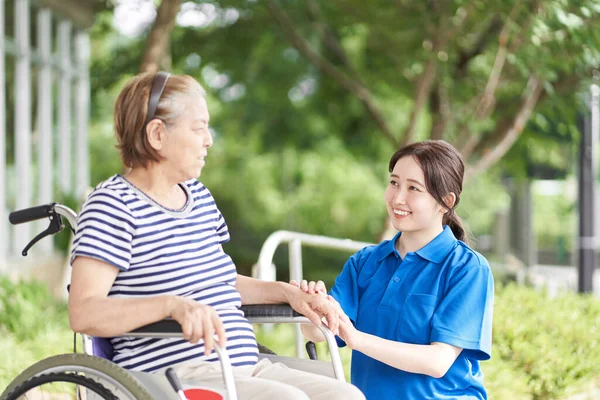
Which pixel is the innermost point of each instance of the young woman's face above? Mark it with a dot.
(410, 206)
(187, 141)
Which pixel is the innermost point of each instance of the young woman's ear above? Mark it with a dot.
(449, 200)
(155, 134)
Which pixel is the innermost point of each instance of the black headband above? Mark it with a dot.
(158, 85)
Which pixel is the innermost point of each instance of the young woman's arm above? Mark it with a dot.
(466, 315)
(433, 359)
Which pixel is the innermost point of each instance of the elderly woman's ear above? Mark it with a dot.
(155, 133)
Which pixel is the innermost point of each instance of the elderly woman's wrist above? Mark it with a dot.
(169, 305)
(287, 291)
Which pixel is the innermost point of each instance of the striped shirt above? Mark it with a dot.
(160, 251)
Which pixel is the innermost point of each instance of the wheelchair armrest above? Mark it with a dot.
(166, 327)
(256, 312)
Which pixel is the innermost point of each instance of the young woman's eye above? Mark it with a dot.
(393, 183)
(414, 188)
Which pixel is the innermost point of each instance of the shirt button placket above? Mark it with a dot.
(391, 289)
(390, 292)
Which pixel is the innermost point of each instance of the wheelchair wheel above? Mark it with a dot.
(117, 381)
(52, 385)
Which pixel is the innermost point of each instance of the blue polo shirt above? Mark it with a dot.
(443, 292)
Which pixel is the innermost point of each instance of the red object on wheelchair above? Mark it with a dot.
(202, 394)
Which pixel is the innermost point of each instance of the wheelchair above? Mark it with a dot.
(92, 375)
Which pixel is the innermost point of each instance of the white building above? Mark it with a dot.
(44, 113)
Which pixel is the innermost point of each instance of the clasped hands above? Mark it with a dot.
(323, 308)
(201, 322)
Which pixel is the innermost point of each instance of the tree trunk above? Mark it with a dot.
(157, 46)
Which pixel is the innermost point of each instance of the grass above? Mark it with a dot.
(18, 354)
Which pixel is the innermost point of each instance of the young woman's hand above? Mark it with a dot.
(311, 287)
(347, 331)
(316, 307)
(198, 321)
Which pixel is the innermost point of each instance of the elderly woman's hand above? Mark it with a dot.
(310, 287)
(198, 321)
(315, 307)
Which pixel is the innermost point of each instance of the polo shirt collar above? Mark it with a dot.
(434, 251)
(388, 247)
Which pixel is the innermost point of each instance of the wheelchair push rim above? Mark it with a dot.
(104, 373)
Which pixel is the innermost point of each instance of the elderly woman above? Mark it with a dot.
(149, 246)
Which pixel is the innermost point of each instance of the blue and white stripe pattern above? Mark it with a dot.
(160, 251)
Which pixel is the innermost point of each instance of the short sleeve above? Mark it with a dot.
(345, 290)
(463, 318)
(206, 199)
(105, 229)
(222, 230)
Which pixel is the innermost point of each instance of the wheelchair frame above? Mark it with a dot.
(92, 365)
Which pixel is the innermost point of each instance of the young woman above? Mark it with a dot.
(149, 246)
(418, 307)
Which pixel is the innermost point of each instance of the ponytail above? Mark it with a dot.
(455, 224)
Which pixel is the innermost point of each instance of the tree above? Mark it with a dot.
(157, 47)
(474, 72)
(479, 69)
(294, 81)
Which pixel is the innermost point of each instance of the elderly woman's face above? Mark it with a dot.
(187, 141)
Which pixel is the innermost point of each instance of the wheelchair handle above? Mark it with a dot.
(53, 211)
(31, 214)
(174, 381)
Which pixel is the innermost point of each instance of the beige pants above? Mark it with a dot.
(265, 380)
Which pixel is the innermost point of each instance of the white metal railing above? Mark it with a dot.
(265, 269)
(58, 62)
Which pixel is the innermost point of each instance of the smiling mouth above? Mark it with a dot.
(402, 213)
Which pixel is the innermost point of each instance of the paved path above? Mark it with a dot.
(557, 278)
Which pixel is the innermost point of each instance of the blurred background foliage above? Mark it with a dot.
(309, 99)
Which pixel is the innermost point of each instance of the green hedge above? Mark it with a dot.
(33, 326)
(543, 348)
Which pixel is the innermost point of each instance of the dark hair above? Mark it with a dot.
(444, 170)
